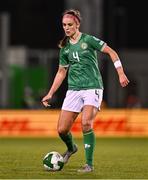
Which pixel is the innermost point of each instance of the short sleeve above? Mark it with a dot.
(96, 43)
(63, 59)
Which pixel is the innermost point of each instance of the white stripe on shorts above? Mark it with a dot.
(75, 100)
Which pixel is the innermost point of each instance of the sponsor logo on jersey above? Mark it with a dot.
(66, 50)
(101, 43)
(84, 45)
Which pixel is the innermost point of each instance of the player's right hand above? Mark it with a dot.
(45, 100)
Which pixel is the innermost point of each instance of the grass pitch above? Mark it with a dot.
(115, 158)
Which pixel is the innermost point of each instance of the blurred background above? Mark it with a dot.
(29, 33)
(31, 29)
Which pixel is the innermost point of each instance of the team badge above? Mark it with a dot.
(84, 46)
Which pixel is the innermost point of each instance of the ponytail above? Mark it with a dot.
(63, 42)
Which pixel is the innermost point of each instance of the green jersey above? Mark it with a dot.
(81, 58)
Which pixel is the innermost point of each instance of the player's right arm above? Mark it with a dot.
(60, 76)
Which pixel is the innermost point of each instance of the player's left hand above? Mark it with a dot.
(123, 80)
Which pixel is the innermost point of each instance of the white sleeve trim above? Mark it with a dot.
(103, 46)
(64, 65)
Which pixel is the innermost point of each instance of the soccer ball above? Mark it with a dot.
(53, 161)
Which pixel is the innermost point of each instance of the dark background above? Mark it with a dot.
(36, 23)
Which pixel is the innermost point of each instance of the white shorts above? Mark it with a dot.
(75, 100)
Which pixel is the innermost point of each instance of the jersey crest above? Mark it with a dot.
(84, 45)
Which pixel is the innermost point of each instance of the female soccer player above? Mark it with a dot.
(85, 87)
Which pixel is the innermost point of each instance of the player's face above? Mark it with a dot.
(70, 26)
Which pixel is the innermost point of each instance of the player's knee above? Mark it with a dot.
(86, 126)
(62, 130)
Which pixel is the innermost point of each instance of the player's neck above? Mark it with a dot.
(75, 38)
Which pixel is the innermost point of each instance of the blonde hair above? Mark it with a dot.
(77, 15)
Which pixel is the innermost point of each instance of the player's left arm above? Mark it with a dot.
(118, 65)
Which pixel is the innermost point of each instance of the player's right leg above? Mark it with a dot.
(65, 122)
(71, 107)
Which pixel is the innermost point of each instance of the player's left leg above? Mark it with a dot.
(88, 114)
(92, 102)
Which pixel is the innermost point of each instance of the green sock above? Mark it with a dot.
(68, 140)
(89, 143)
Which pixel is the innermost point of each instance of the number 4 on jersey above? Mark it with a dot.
(76, 56)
